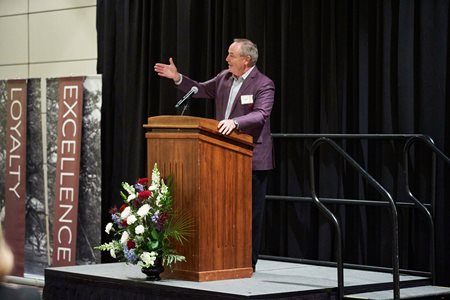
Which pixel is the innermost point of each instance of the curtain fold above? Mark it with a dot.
(338, 66)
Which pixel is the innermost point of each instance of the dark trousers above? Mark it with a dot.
(259, 188)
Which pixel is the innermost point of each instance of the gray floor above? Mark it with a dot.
(271, 277)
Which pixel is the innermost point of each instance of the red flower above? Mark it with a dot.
(131, 244)
(122, 207)
(124, 223)
(163, 217)
(144, 194)
(143, 181)
(136, 202)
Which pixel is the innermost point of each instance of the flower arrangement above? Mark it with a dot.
(145, 226)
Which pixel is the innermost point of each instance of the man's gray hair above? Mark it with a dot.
(248, 48)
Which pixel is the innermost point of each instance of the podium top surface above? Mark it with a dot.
(189, 122)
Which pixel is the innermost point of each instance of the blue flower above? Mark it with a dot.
(139, 187)
(129, 254)
(116, 219)
(155, 217)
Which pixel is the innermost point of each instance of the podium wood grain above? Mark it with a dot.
(212, 182)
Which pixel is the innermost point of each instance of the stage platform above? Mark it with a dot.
(272, 280)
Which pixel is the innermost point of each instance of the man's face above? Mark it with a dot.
(237, 64)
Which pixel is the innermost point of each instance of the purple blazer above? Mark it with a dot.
(253, 118)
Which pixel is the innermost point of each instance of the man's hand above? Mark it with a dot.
(169, 71)
(226, 126)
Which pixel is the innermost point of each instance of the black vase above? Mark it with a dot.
(154, 271)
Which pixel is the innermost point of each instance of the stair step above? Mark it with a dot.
(418, 292)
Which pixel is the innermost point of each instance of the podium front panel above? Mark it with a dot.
(212, 183)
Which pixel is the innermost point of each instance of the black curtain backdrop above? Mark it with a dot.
(359, 66)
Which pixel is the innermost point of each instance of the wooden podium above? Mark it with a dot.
(212, 176)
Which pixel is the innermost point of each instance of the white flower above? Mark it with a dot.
(124, 237)
(155, 175)
(113, 253)
(131, 219)
(131, 197)
(153, 188)
(108, 227)
(125, 213)
(148, 258)
(129, 188)
(164, 187)
(143, 210)
(139, 229)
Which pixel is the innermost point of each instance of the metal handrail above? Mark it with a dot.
(395, 250)
(422, 207)
(410, 138)
(342, 201)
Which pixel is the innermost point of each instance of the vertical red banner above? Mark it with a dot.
(15, 181)
(70, 116)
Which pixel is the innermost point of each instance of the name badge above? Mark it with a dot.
(246, 99)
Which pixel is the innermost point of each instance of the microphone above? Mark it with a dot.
(193, 91)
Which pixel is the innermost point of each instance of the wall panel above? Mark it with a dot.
(63, 35)
(13, 34)
(60, 69)
(14, 72)
(13, 7)
(46, 5)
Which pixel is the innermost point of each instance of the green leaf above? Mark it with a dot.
(180, 227)
(173, 258)
(155, 234)
(154, 245)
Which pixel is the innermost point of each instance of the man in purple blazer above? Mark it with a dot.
(244, 99)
